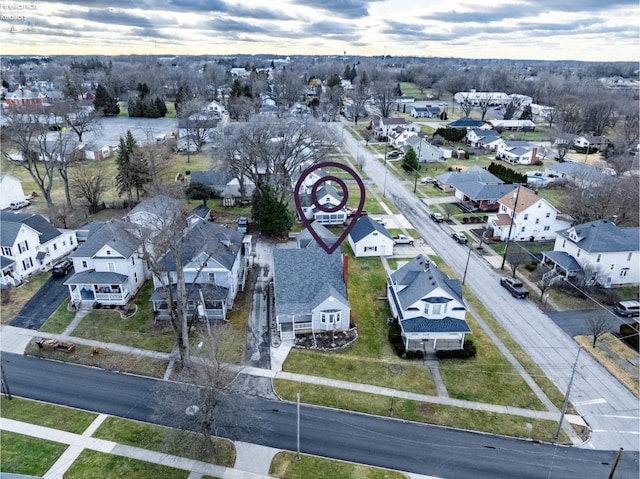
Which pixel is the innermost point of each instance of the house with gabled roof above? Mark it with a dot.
(512, 125)
(518, 152)
(305, 239)
(485, 139)
(604, 252)
(428, 306)
(310, 292)
(224, 182)
(583, 175)
(108, 267)
(52, 243)
(476, 195)
(447, 181)
(11, 188)
(369, 238)
(382, 126)
(469, 123)
(327, 196)
(527, 216)
(215, 266)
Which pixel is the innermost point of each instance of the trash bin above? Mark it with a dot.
(40, 342)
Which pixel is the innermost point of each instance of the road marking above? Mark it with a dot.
(588, 403)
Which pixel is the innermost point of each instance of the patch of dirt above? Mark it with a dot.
(426, 409)
(327, 341)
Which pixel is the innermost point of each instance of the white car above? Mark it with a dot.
(427, 179)
(16, 205)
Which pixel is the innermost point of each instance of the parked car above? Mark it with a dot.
(379, 220)
(61, 268)
(243, 223)
(437, 217)
(627, 308)
(16, 205)
(459, 237)
(402, 239)
(515, 287)
(427, 179)
(393, 154)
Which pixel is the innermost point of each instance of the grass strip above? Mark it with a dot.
(286, 466)
(28, 455)
(92, 464)
(47, 415)
(164, 439)
(59, 320)
(438, 414)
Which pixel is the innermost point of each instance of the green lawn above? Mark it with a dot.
(47, 415)
(137, 331)
(286, 466)
(27, 455)
(451, 416)
(163, 439)
(91, 464)
(59, 320)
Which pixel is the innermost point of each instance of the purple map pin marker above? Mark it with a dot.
(328, 209)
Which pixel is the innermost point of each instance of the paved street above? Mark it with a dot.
(607, 406)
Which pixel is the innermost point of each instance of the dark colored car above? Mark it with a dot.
(61, 268)
(459, 237)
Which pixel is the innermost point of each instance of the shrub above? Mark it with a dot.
(465, 220)
(468, 351)
(531, 266)
(395, 338)
(466, 154)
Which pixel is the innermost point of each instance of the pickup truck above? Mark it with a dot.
(402, 239)
(515, 287)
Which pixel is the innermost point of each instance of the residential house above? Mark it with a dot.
(97, 151)
(477, 98)
(108, 267)
(605, 253)
(33, 243)
(447, 180)
(310, 291)
(591, 141)
(328, 197)
(369, 238)
(216, 108)
(512, 125)
(305, 239)
(349, 111)
(382, 126)
(215, 265)
(477, 195)
(425, 151)
(24, 97)
(485, 139)
(583, 175)
(527, 217)
(428, 306)
(469, 123)
(11, 188)
(424, 111)
(224, 182)
(399, 136)
(517, 152)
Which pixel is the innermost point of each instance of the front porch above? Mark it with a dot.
(206, 302)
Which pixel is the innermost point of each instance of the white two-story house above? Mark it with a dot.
(30, 244)
(604, 252)
(327, 197)
(108, 267)
(533, 217)
(428, 306)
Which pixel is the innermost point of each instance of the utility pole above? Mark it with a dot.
(566, 396)
(415, 181)
(466, 266)
(513, 215)
(386, 144)
(615, 464)
(298, 427)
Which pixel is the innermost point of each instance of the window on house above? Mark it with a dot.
(27, 263)
(212, 278)
(370, 248)
(612, 266)
(547, 228)
(578, 254)
(330, 317)
(6, 251)
(537, 221)
(23, 246)
(624, 271)
(548, 215)
(522, 229)
(64, 243)
(111, 266)
(108, 252)
(564, 243)
(135, 277)
(133, 260)
(629, 256)
(84, 264)
(598, 258)
(526, 216)
(437, 308)
(539, 205)
(503, 209)
(71, 241)
(55, 247)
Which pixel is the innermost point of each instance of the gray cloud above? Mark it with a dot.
(342, 8)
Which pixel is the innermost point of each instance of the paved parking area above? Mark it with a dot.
(42, 305)
(144, 130)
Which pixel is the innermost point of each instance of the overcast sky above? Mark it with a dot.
(600, 30)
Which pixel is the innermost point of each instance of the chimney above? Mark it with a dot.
(345, 272)
(427, 263)
(534, 156)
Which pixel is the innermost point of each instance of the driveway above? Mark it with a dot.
(42, 305)
(576, 322)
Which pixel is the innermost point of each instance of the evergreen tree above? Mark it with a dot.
(143, 90)
(397, 91)
(364, 78)
(125, 178)
(347, 72)
(271, 215)
(333, 80)
(105, 103)
(161, 106)
(410, 161)
(183, 95)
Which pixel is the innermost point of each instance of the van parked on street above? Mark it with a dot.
(627, 308)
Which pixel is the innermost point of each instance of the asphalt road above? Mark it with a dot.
(576, 322)
(607, 406)
(42, 305)
(411, 447)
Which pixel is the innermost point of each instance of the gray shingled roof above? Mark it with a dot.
(419, 282)
(115, 233)
(475, 173)
(305, 237)
(603, 236)
(563, 259)
(8, 233)
(46, 230)
(426, 325)
(156, 205)
(91, 276)
(466, 122)
(324, 189)
(214, 178)
(477, 190)
(210, 292)
(364, 227)
(6, 262)
(304, 277)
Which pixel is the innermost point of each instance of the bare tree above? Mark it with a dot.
(449, 209)
(599, 115)
(286, 87)
(269, 151)
(544, 278)
(203, 399)
(517, 258)
(359, 96)
(598, 324)
(25, 132)
(78, 119)
(382, 91)
(484, 103)
(89, 184)
(466, 105)
(198, 121)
